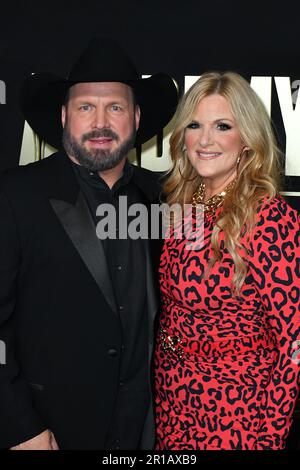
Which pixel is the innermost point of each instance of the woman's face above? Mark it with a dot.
(213, 141)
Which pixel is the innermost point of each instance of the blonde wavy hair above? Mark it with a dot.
(258, 174)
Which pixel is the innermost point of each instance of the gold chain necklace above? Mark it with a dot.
(214, 202)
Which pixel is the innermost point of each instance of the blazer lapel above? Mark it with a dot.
(78, 223)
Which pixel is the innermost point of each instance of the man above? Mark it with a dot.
(76, 312)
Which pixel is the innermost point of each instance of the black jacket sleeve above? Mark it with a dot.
(18, 420)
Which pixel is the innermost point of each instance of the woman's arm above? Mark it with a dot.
(274, 263)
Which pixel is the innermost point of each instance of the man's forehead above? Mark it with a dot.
(99, 89)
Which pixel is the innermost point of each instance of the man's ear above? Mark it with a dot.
(63, 115)
(137, 116)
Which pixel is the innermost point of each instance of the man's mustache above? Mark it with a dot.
(100, 133)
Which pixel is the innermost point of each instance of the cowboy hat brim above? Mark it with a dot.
(43, 94)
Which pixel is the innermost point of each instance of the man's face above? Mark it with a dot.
(100, 124)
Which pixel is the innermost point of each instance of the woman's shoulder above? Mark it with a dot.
(275, 211)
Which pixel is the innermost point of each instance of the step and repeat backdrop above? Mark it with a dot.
(184, 40)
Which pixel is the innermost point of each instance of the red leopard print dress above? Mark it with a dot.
(226, 368)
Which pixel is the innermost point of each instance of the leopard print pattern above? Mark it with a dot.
(224, 375)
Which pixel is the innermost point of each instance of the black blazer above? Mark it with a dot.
(58, 316)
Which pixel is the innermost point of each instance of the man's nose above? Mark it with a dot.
(100, 118)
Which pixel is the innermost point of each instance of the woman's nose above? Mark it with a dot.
(206, 137)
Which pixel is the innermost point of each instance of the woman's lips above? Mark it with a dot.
(208, 155)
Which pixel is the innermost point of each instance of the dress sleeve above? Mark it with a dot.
(274, 263)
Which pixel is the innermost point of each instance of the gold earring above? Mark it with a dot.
(181, 170)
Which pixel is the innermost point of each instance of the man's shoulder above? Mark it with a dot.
(26, 175)
(145, 173)
(150, 182)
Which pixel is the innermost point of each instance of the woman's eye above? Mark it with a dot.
(222, 126)
(193, 125)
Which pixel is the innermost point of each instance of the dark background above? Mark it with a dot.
(178, 37)
(181, 38)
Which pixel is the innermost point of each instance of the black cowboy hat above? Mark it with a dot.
(43, 94)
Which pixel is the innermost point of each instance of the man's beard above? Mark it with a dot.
(97, 159)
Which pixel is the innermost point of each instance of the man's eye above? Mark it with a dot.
(85, 107)
(116, 107)
(222, 126)
(193, 125)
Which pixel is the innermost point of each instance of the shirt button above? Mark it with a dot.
(121, 307)
(122, 347)
(119, 268)
(112, 352)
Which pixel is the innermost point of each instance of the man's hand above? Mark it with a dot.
(44, 441)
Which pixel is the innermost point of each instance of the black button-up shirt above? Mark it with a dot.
(126, 261)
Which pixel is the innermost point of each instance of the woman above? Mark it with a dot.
(225, 373)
